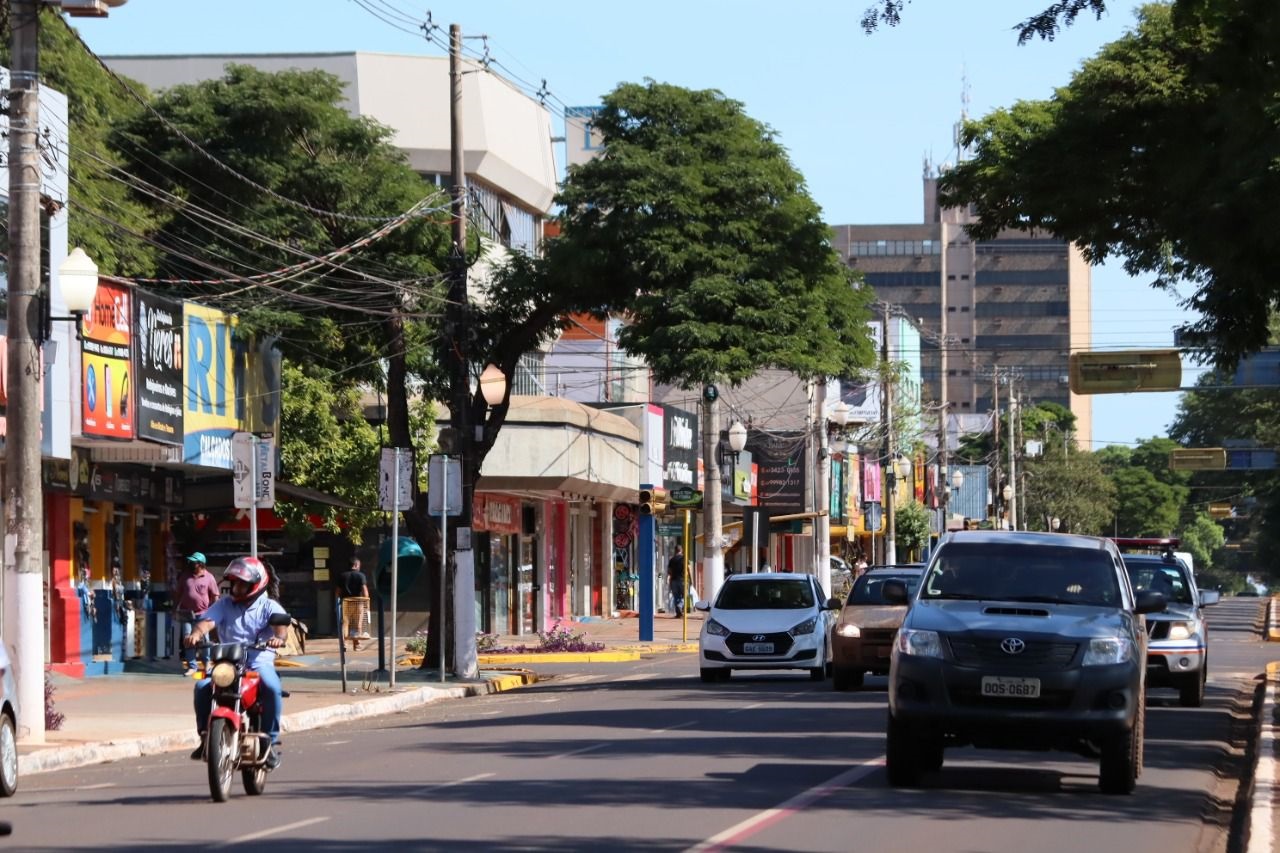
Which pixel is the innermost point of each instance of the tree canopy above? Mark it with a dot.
(1163, 150)
(1045, 24)
(694, 225)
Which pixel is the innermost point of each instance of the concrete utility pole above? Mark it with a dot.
(713, 534)
(1013, 443)
(891, 478)
(822, 489)
(458, 325)
(23, 500)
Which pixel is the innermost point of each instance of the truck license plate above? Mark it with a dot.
(1001, 687)
(757, 648)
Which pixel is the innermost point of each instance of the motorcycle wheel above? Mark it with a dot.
(255, 779)
(221, 755)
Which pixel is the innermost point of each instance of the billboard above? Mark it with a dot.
(862, 394)
(157, 348)
(680, 448)
(232, 384)
(106, 393)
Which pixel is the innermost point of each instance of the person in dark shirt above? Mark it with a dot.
(354, 585)
(675, 580)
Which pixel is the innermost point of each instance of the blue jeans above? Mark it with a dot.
(186, 624)
(268, 696)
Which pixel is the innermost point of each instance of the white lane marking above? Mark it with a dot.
(639, 676)
(95, 787)
(335, 742)
(739, 832)
(580, 751)
(751, 707)
(438, 785)
(266, 833)
(670, 728)
(1264, 780)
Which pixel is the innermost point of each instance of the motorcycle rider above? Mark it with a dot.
(242, 617)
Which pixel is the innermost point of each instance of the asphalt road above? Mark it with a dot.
(642, 756)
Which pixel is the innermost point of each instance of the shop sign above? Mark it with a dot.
(497, 514)
(157, 341)
(106, 395)
(115, 483)
(680, 448)
(781, 472)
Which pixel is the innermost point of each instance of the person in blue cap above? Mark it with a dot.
(197, 591)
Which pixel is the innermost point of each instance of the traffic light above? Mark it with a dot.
(652, 502)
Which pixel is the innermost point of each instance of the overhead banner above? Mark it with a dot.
(106, 396)
(157, 341)
(232, 384)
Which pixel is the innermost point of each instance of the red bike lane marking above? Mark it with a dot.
(758, 823)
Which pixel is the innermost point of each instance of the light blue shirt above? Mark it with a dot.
(245, 623)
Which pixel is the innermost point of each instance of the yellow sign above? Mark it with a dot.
(1198, 459)
(1125, 371)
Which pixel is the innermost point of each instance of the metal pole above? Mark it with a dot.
(395, 554)
(253, 485)
(684, 605)
(23, 504)
(444, 556)
(891, 533)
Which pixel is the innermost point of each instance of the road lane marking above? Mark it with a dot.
(739, 832)
(639, 676)
(670, 728)
(335, 742)
(266, 833)
(750, 707)
(600, 745)
(438, 785)
(93, 787)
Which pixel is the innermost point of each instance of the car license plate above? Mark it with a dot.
(757, 648)
(1010, 688)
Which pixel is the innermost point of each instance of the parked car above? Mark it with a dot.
(8, 726)
(862, 636)
(1019, 640)
(1177, 637)
(764, 621)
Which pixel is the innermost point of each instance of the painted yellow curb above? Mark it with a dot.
(659, 648)
(1273, 632)
(561, 657)
(511, 682)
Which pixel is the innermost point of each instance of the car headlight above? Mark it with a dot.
(805, 627)
(1183, 630)
(714, 627)
(849, 631)
(223, 674)
(923, 644)
(1108, 650)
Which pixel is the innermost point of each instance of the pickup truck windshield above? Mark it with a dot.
(1022, 573)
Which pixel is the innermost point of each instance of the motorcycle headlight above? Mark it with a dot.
(805, 627)
(714, 627)
(1183, 630)
(849, 631)
(1108, 650)
(923, 644)
(223, 674)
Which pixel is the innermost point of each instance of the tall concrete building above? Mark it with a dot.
(1015, 306)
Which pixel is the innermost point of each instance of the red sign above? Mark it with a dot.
(106, 394)
(496, 514)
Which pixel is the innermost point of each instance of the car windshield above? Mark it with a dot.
(1166, 578)
(1048, 574)
(869, 589)
(766, 594)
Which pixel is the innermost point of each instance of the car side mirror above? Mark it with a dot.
(1210, 596)
(1149, 602)
(833, 603)
(894, 592)
(704, 606)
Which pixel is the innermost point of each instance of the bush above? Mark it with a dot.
(52, 719)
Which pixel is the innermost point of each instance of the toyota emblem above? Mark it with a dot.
(1012, 646)
(759, 637)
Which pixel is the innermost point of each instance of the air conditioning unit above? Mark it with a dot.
(86, 8)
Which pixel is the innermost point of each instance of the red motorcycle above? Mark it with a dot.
(235, 740)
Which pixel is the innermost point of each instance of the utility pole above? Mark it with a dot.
(822, 490)
(458, 328)
(713, 535)
(996, 497)
(24, 503)
(891, 478)
(1013, 444)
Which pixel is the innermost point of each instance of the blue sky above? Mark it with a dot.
(859, 114)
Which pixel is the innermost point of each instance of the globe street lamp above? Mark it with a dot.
(1007, 494)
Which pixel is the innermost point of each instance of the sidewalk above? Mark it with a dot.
(148, 709)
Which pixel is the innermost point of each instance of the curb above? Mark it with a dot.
(1273, 628)
(68, 757)
(562, 657)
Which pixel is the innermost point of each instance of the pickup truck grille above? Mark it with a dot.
(1037, 654)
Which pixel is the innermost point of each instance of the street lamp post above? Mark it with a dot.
(1007, 494)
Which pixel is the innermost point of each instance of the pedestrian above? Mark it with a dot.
(352, 584)
(197, 591)
(675, 580)
(859, 565)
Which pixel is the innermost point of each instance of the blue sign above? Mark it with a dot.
(1258, 460)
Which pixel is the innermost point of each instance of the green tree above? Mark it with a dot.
(1202, 538)
(1075, 490)
(911, 524)
(1162, 150)
(1144, 505)
(1045, 24)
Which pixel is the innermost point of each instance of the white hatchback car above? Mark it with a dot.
(767, 620)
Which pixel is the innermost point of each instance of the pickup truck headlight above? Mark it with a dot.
(924, 644)
(805, 627)
(1108, 650)
(849, 631)
(1183, 630)
(714, 627)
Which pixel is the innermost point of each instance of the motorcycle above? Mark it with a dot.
(235, 740)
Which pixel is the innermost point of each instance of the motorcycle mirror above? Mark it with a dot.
(278, 619)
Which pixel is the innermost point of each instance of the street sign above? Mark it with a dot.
(1124, 372)
(1256, 459)
(444, 486)
(1197, 459)
(244, 469)
(386, 474)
